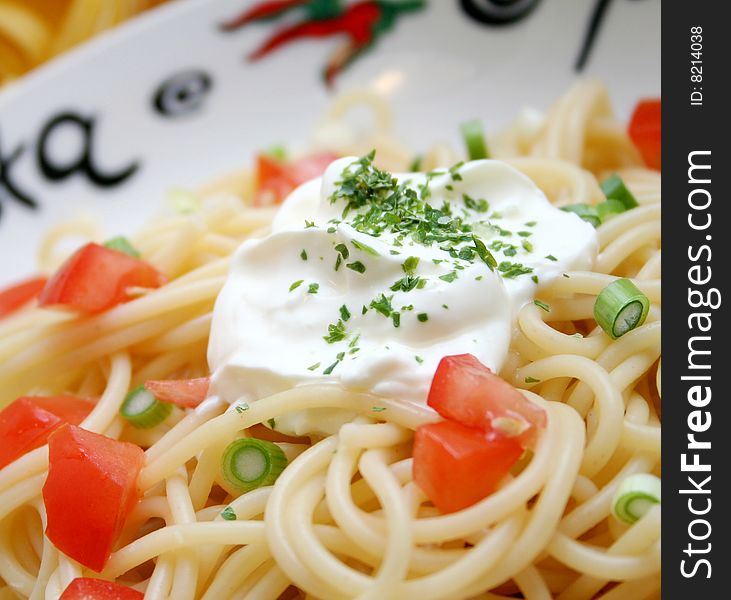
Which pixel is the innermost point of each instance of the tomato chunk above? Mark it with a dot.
(645, 130)
(186, 393)
(16, 296)
(88, 588)
(96, 278)
(457, 465)
(466, 391)
(90, 490)
(26, 423)
(276, 179)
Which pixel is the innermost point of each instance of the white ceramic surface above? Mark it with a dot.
(436, 66)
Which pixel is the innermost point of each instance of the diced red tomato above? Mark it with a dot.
(186, 393)
(645, 130)
(26, 423)
(466, 391)
(90, 490)
(88, 588)
(96, 278)
(276, 179)
(456, 465)
(17, 296)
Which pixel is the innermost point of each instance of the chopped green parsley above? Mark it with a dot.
(344, 313)
(356, 266)
(383, 305)
(408, 283)
(480, 205)
(329, 369)
(511, 270)
(364, 248)
(335, 332)
(410, 264)
(542, 305)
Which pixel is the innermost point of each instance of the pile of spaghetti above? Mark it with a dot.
(345, 518)
(33, 31)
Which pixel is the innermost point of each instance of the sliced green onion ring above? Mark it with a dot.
(635, 496)
(585, 211)
(614, 189)
(474, 138)
(620, 307)
(249, 463)
(122, 244)
(143, 410)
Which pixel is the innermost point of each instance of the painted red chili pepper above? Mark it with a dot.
(263, 11)
(361, 22)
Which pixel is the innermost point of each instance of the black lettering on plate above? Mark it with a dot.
(498, 12)
(7, 183)
(84, 162)
(592, 32)
(182, 94)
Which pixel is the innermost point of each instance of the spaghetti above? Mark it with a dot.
(33, 31)
(345, 518)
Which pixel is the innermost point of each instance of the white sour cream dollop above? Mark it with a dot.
(287, 316)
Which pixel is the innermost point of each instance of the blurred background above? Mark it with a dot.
(32, 31)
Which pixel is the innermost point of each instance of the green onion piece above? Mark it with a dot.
(635, 496)
(585, 211)
(609, 208)
(277, 152)
(474, 138)
(182, 201)
(143, 410)
(614, 189)
(121, 244)
(249, 463)
(620, 307)
(228, 514)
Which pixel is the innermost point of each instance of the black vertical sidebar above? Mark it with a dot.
(696, 364)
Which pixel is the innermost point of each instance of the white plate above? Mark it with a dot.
(437, 66)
